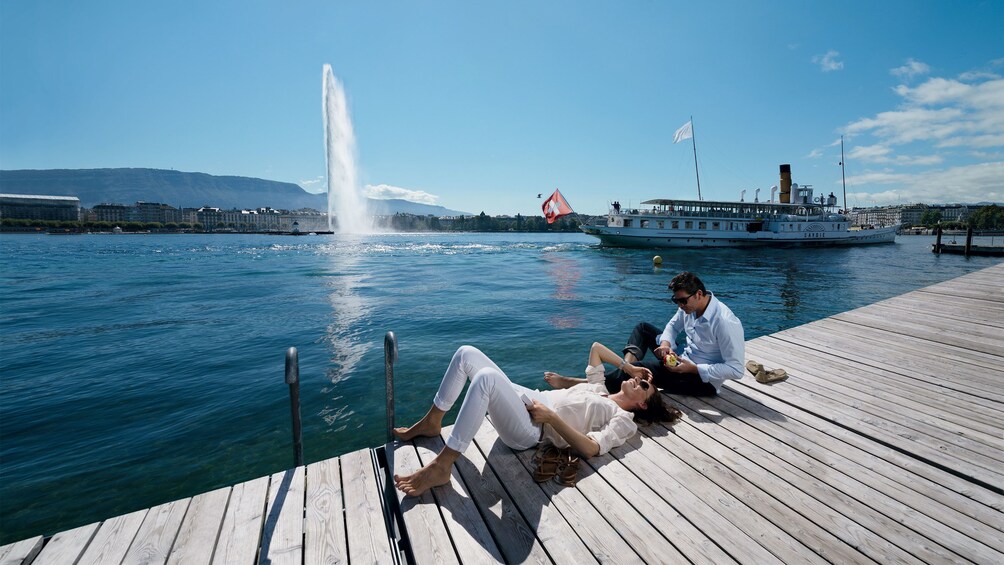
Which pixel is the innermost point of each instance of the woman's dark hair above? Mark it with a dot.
(656, 410)
(687, 282)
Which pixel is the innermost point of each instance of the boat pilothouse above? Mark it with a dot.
(796, 219)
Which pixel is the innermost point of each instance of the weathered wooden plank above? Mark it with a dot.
(624, 520)
(592, 526)
(153, 541)
(324, 540)
(515, 538)
(804, 446)
(778, 511)
(630, 499)
(716, 513)
(113, 538)
(21, 551)
(471, 536)
(197, 536)
(66, 547)
(933, 415)
(882, 524)
(430, 542)
(282, 538)
(945, 365)
(805, 507)
(964, 461)
(367, 534)
(240, 534)
(960, 405)
(747, 396)
(986, 344)
(553, 531)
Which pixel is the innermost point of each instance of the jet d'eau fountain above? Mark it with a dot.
(345, 199)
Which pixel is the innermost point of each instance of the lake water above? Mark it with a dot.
(139, 369)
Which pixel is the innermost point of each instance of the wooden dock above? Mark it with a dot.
(885, 445)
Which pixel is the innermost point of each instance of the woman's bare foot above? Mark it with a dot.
(436, 473)
(429, 426)
(559, 381)
(432, 475)
(422, 428)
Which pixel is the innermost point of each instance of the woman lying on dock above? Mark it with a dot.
(584, 417)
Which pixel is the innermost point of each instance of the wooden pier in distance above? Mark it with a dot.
(885, 444)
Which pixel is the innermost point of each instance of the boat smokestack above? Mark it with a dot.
(785, 195)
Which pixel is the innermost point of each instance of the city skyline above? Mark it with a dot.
(481, 108)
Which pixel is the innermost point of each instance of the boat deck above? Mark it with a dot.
(886, 444)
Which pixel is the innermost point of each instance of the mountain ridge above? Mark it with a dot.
(185, 190)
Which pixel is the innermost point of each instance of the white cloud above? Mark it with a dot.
(828, 62)
(815, 154)
(314, 186)
(911, 69)
(983, 182)
(387, 192)
(956, 124)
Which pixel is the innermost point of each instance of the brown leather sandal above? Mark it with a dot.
(548, 459)
(568, 473)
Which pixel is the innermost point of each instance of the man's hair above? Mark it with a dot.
(687, 282)
(656, 410)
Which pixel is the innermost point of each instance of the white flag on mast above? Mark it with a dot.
(686, 131)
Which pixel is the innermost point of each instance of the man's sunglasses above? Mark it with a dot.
(682, 299)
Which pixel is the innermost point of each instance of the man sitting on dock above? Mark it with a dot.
(714, 351)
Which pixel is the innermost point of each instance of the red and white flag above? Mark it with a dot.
(555, 207)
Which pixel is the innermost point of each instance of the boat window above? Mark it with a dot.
(644, 223)
(675, 225)
(661, 224)
(702, 225)
(716, 226)
(688, 225)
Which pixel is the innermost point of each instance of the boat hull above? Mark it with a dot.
(648, 238)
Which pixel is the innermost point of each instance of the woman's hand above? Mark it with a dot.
(634, 371)
(540, 413)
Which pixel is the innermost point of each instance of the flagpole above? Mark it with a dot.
(843, 181)
(693, 139)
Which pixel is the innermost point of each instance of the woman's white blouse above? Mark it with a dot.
(586, 408)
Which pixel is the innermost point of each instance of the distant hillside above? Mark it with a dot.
(179, 189)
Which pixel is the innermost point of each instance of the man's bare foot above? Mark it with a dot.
(432, 475)
(423, 428)
(559, 381)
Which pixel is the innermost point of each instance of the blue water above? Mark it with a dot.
(139, 369)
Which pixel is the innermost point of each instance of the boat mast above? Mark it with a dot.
(843, 181)
(693, 139)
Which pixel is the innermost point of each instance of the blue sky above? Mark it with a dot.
(481, 106)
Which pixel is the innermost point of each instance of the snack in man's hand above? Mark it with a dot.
(670, 360)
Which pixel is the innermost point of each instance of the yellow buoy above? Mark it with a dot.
(657, 260)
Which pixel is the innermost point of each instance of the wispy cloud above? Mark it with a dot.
(387, 192)
(983, 182)
(314, 186)
(828, 62)
(814, 154)
(911, 69)
(958, 122)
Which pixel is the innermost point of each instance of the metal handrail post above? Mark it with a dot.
(293, 380)
(389, 358)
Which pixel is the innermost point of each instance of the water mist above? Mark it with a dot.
(345, 199)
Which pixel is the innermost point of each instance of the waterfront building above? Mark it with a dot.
(114, 213)
(148, 212)
(907, 215)
(39, 207)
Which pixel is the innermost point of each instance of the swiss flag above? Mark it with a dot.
(555, 207)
